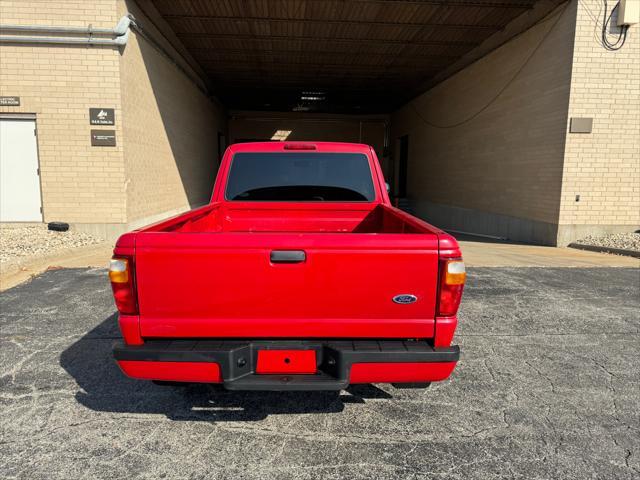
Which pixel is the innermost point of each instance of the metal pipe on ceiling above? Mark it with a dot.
(379, 23)
(290, 38)
(528, 4)
(257, 52)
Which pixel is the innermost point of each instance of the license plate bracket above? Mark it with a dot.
(291, 362)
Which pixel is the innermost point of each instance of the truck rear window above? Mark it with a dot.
(300, 177)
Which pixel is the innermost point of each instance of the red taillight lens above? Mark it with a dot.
(452, 278)
(122, 283)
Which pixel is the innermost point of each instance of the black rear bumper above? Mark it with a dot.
(237, 359)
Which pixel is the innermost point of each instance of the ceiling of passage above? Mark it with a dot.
(331, 55)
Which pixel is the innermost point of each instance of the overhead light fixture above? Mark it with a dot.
(313, 96)
(281, 135)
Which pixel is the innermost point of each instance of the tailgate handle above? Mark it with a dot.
(288, 256)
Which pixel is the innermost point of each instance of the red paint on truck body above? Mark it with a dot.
(197, 372)
(208, 273)
(400, 372)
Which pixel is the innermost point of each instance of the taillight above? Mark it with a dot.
(452, 278)
(122, 283)
(299, 146)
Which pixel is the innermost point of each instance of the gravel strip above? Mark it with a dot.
(623, 241)
(32, 241)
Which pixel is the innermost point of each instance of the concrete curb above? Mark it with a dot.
(14, 273)
(616, 251)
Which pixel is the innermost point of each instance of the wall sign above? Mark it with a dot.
(9, 101)
(103, 138)
(581, 125)
(102, 116)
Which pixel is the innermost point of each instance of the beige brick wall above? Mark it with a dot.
(170, 129)
(166, 154)
(602, 167)
(502, 170)
(80, 183)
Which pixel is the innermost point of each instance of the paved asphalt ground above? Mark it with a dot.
(548, 387)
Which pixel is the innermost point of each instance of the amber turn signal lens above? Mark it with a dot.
(119, 270)
(455, 273)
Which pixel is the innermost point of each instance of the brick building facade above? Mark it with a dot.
(166, 128)
(515, 170)
(489, 148)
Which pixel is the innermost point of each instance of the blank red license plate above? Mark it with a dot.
(286, 361)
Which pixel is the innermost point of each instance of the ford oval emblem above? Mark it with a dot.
(405, 298)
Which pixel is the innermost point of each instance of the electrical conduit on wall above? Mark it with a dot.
(85, 35)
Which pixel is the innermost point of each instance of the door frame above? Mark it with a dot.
(403, 166)
(30, 117)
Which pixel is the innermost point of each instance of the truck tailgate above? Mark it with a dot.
(226, 285)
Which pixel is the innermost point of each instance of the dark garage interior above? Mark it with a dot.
(354, 57)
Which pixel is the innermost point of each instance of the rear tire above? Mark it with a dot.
(58, 226)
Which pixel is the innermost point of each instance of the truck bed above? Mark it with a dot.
(210, 272)
(311, 218)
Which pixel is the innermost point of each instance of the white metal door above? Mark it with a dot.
(19, 177)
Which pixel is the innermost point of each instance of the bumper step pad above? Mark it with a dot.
(237, 359)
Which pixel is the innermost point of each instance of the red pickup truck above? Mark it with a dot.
(298, 275)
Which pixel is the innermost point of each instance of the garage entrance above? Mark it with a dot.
(342, 70)
(19, 171)
(353, 57)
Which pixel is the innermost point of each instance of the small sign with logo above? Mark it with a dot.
(9, 101)
(103, 138)
(102, 116)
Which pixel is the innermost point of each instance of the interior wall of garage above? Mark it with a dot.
(500, 171)
(602, 167)
(171, 127)
(80, 184)
(305, 126)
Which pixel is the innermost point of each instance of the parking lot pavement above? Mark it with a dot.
(548, 387)
(483, 252)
